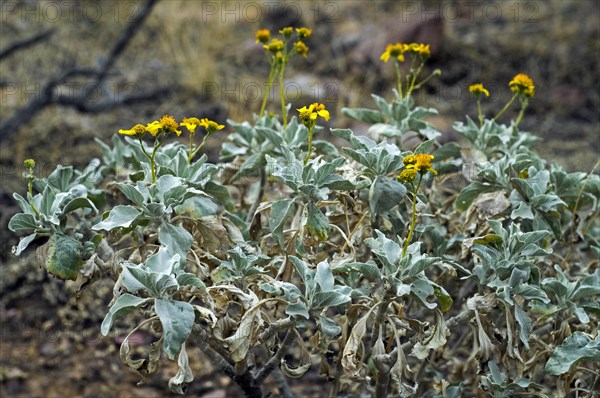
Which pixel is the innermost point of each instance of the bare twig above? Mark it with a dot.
(81, 102)
(21, 44)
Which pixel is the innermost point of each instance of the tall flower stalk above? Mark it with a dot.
(308, 117)
(477, 89)
(523, 88)
(192, 124)
(159, 129)
(418, 53)
(278, 54)
(415, 166)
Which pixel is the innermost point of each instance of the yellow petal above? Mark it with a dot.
(127, 132)
(324, 114)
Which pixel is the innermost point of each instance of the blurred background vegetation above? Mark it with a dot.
(199, 58)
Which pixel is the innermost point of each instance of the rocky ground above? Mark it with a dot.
(206, 64)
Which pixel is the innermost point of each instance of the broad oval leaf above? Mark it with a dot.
(177, 319)
(122, 306)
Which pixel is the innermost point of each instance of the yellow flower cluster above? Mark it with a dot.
(478, 89)
(193, 122)
(522, 84)
(263, 36)
(397, 51)
(301, 48)
(276, 46)
(167, 125)
(308, 116)
(416, 163)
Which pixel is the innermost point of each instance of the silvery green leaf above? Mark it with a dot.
(384, 194)
(119, 217)
(574, 349)
(23, 243)
(524, 325)
(328, 327)
(60, 177)
(364, 115)
(470, 192)
(189, 279)
(422, 289)
(280, 212)
(324, 277)
(177, 319)
(122, 306)
(368, 269)
(330, 298)
(316, 223)
(162, 261)
(79, 203)
(22, 222)
(425, 146)
(23, 204)
(307, 274)
(387, 251)
(297, 309)
(384, 130)
(48, 197)
(136, 278)
(131, 193)
(155, 210)
(220, 193)
(176, 239)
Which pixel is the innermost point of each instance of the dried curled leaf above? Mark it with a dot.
(354, 347)
(436, 338)
(302, 368)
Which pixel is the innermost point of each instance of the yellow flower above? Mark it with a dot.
(303, 33)
(308, 116)
(407, 175)
(394, 51)
(419, 49)
(263, 36)
(287, 32)
(210, 125)
(420, 162)
(274, 46)
(29, 164)
(522, 84)
(301, 48)
(191, 124)
(138, 130)
(166, 124)
(478, 89)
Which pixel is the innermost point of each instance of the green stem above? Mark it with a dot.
(432, 74)
(410, 75)
(524, 104)
(413, 221)
(310, 138)
(150, 157)
(479, 113)
(508, 104)
(192, 154)
(398, 77)
(414, 77)
(281, 96)
(269, 85)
